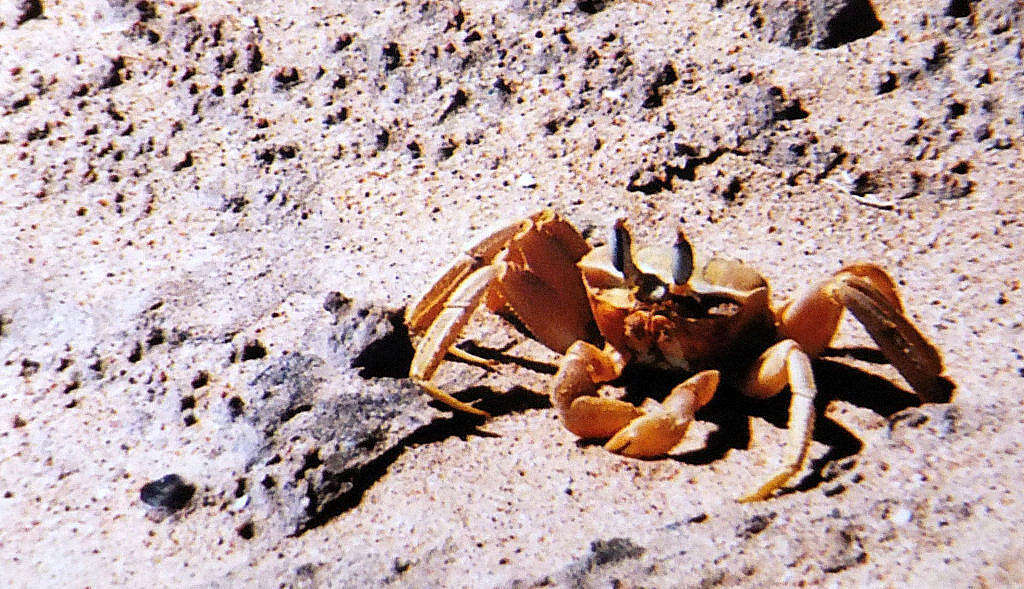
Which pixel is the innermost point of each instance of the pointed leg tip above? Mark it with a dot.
(763, 493)
(768, 489)
(755, 497)
(451, 401)
(459, 406)
(467, 408)
(471, 358)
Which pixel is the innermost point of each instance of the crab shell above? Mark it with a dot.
(722, 313)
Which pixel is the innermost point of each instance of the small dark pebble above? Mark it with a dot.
(170, 492)
(755, 525)
(835, 489)
(28, 10)
(253, 350)
(614, 550)
(246, 531)
(201, 379)
(235, 406)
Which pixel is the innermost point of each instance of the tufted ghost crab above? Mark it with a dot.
(606, 307)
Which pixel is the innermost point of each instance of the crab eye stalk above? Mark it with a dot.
(682, 259)
(646, 287)
(622, 251)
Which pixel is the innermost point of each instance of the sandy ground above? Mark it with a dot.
(213, 212)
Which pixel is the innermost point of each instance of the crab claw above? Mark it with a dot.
(650, 435)
(664, 424)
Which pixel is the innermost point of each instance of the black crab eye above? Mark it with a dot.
(622, 248)
(646, 287)
(682, 259)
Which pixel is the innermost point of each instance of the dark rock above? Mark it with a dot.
(842, 549)
(286, 77)
(28, 10)
(113, 78)
(587, 570)
(254, 60)
(392, 56)
(959, 8)
(783, 22)
(825, 24)
(886, 82)
(253, 350)
(28, 368)
(322, 450)
(755, 525)
(246, 531)
(941, 420)
(200, 380)
(612, 551)
(590, 6)
(170, 493)
(665, 76)
(838, 22)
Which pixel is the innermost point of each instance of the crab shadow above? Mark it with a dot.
(730, 411)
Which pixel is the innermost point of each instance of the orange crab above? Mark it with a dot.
(662, 307)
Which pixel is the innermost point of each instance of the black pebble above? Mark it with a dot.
(171, 492)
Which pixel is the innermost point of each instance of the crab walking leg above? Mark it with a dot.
(471, 358)
(812, 317)
(785, 363)
(476, 254)
(881, 283)
(664, 424)
(900, 341)
(442, 333)
(574, 393)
